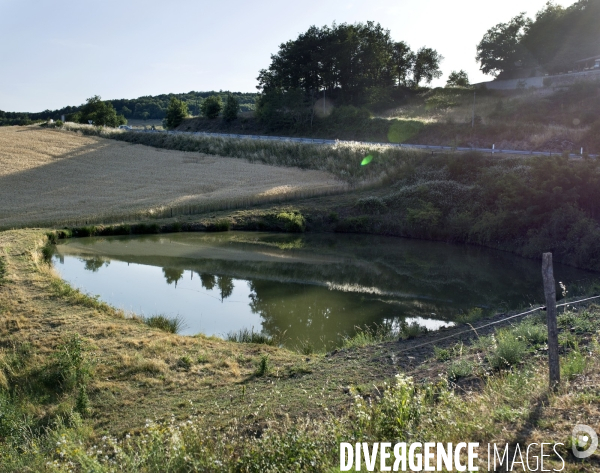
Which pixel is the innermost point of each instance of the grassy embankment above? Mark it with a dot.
(526, 205)
(563, 120)
(84, 388)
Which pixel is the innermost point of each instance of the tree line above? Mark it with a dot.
(550, 43)
(350, 64)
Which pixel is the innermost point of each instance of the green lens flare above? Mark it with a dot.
(367, 160)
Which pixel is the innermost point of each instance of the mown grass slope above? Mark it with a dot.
(84, 388)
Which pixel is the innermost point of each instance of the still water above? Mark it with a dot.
(316, 288)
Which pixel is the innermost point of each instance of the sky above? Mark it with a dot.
(58, 53)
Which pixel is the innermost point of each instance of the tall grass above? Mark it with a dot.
(245, 335)
(164, 323)
(341, 159)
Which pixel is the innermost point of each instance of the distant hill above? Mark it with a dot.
(146, 107)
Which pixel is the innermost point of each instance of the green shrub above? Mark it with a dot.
(441, 354)
(371, 204)
(164, 323)
(264, 366)
(460, 369)
(534, 334)
(293, 222)
(509, 350)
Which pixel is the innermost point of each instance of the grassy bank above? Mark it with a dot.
(523, 205)
(83, 387)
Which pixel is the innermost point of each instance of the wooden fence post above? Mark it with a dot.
(550, 292)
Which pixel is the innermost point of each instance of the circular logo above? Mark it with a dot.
(584, 436)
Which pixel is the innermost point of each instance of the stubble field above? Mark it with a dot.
(53, 177)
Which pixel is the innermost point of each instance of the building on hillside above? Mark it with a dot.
(589, 63)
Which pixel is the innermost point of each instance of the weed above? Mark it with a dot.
(184, 362)
(364, 336)
(250, 336)
(221, 225)
(306, 347)
(264, 366)
(202, 359)
(532, 333)
(441, 354)
(70, 366)
(473, 315)
(82, 403)
(164, 323)
(2, 270)
(412, 330)
(509, 350)
(573, 364)
(460, 369)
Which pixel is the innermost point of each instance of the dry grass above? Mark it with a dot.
(52, 177)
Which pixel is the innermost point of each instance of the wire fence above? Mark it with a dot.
(489, 324)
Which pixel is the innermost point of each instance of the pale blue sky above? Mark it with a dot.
(57, 53)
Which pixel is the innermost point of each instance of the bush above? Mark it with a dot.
(293, 222)
(230, 111)
(211, 106)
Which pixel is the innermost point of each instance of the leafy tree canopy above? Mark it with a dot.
(458, 79)
(176, 112)
(100, 113)
(346, 61)
(551, 42)
(230, 111)
(211, 106)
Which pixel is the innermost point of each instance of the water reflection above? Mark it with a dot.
(312, 287)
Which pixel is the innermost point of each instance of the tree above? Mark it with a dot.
(211, 106)
(230, 111)
(404, 60)
(176, 112)
(126, 111)
(427, 65)
(100, 113)
(458, 79)
(498, 51)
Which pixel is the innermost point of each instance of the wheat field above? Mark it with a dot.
(52, 177)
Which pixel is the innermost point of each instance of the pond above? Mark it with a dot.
(306, 289)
